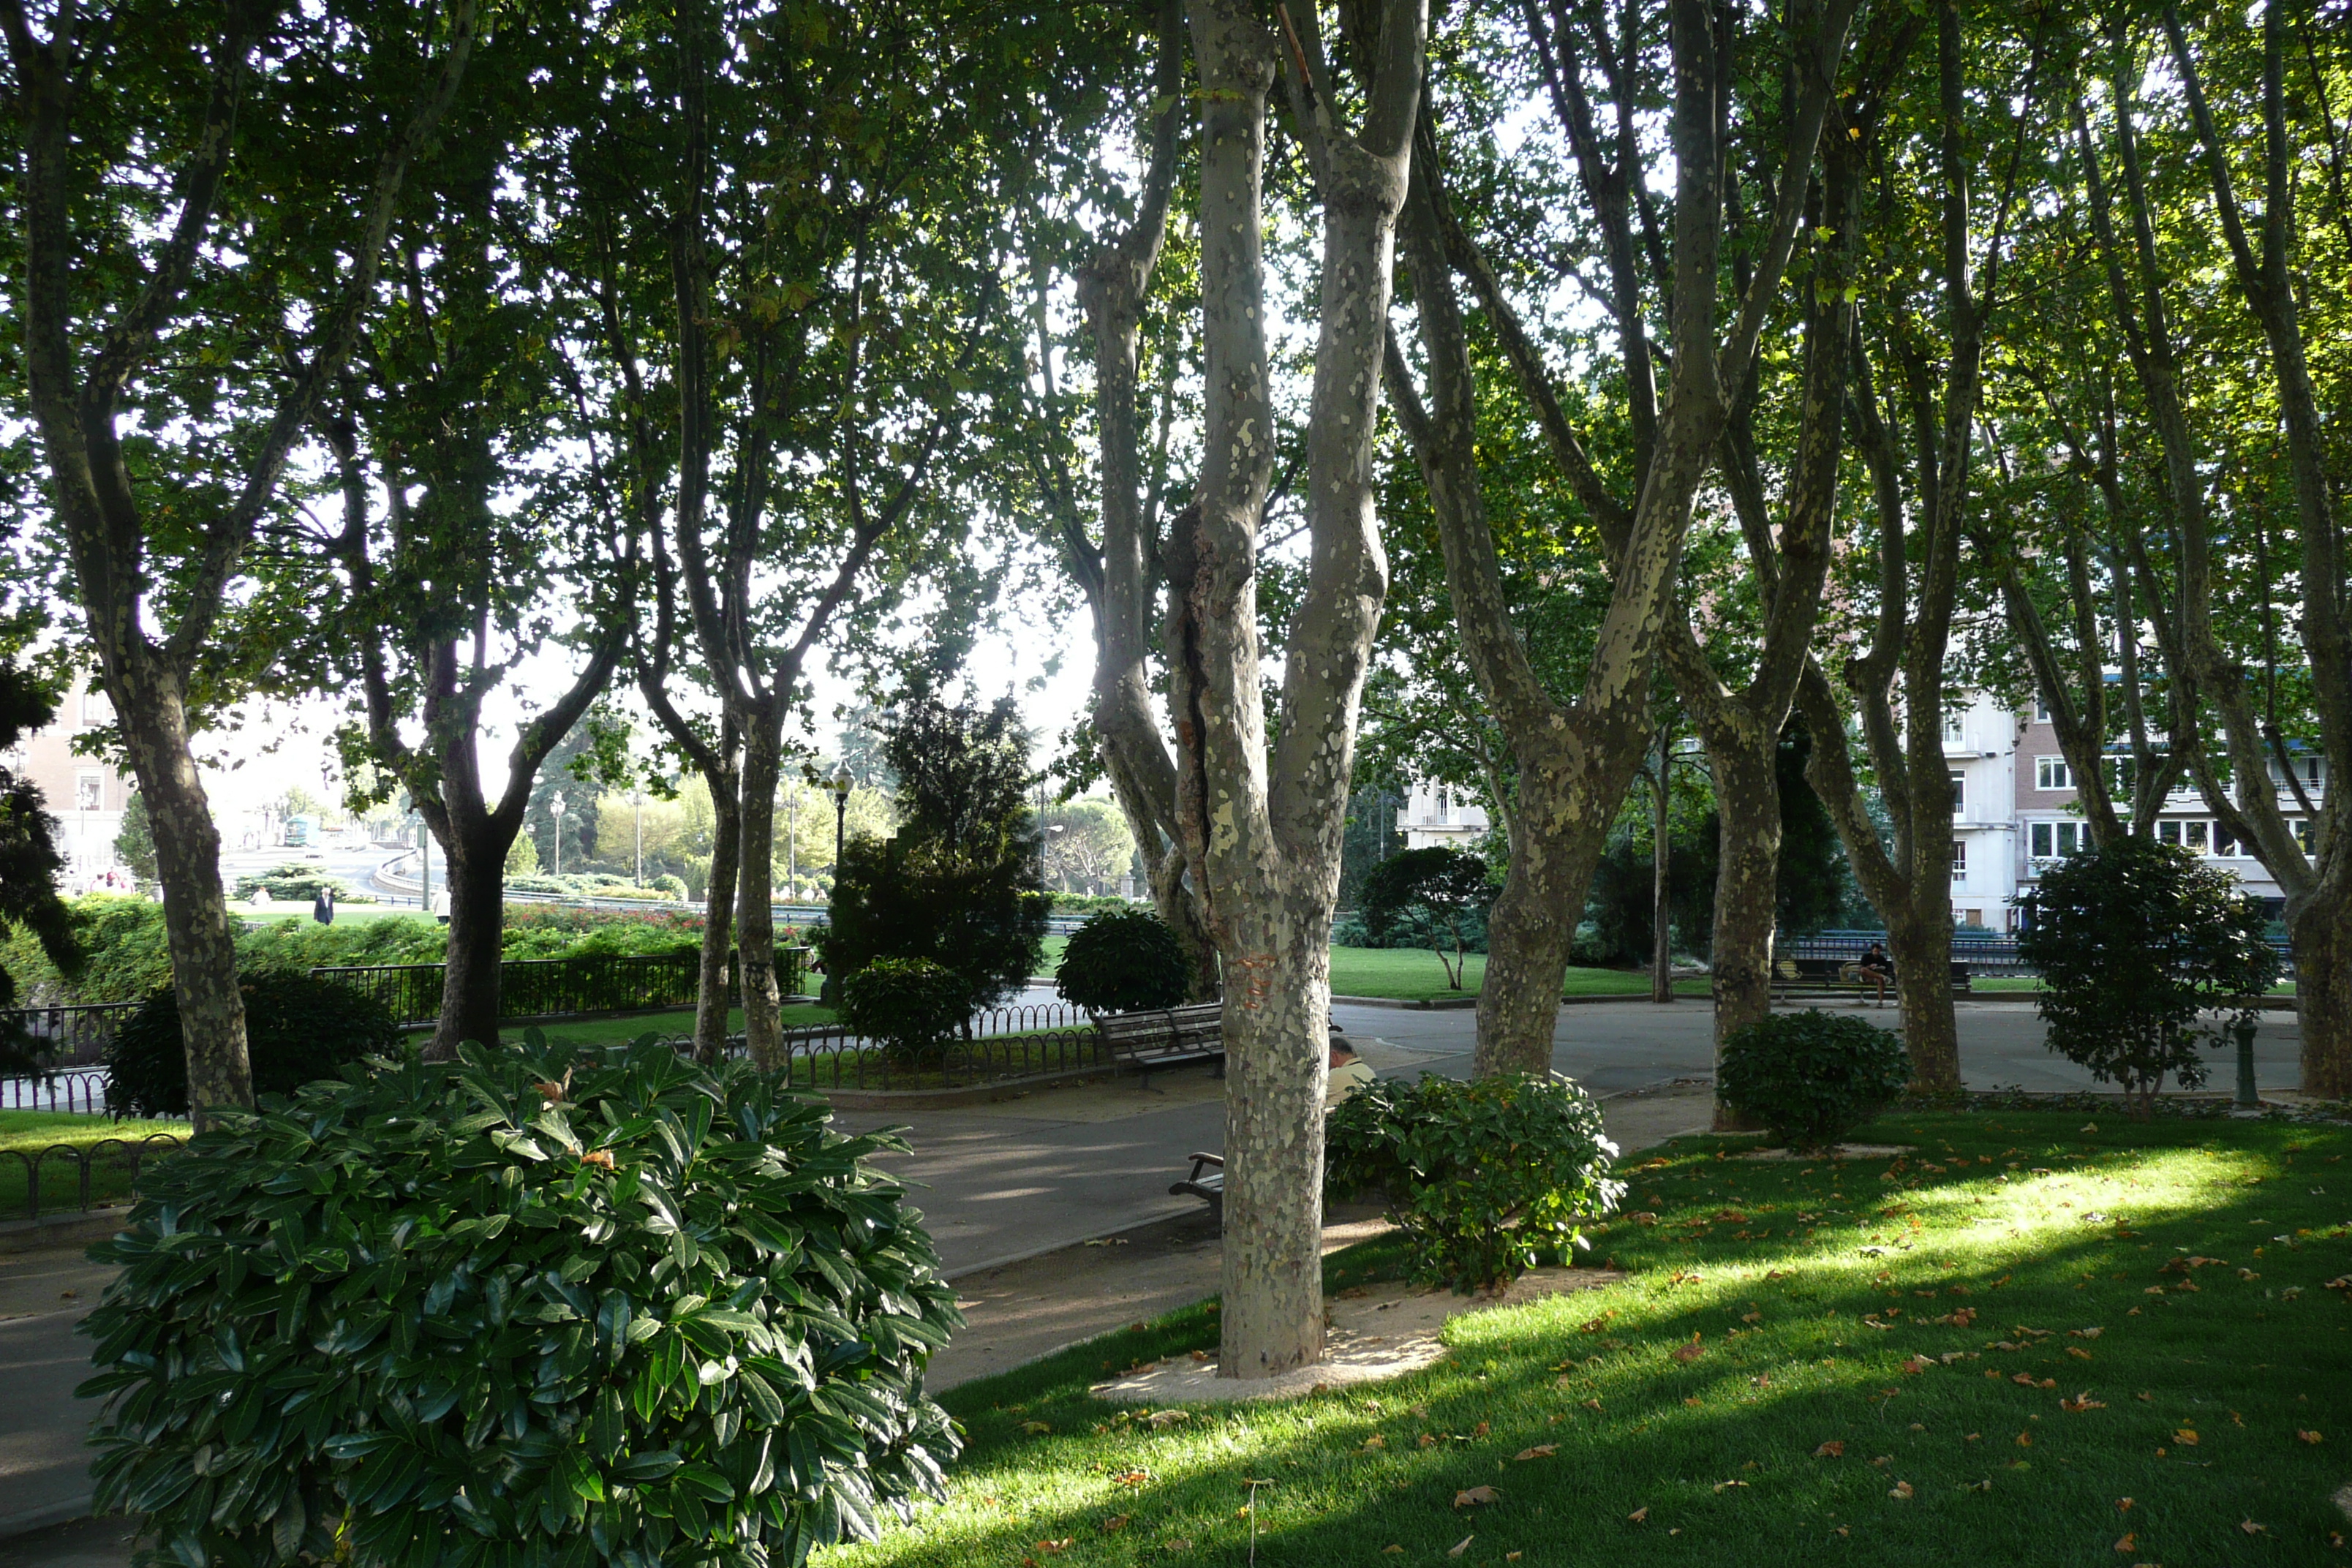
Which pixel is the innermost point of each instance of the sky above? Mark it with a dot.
(278, 745)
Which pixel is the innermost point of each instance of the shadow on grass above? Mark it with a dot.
(2001, 1231)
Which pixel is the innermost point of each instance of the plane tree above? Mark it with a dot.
(202, 202)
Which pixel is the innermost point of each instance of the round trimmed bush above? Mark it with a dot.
(1123, 960)
(529, 1306)
(296, 1029)
(1813, 1077)
(1486, 1178)
(909, 1004)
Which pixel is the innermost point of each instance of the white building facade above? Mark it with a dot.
(2014, 812)
(1438, 814)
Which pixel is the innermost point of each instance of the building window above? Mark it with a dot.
(2054, 841)
(2051, 772)
(1959, 792)
(1960, 859)
(89, 792)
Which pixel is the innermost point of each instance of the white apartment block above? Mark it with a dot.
(2014, 813)
(1441, 814)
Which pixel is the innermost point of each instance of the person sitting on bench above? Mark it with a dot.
(1876, 968)
(1349, 1072)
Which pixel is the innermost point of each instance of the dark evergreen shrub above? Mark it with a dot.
(533, 1306)
(909, 1005)
(1122, 959)
(296, 1029)
(1486, 1178)
(1813, 1077)
(2137, 943)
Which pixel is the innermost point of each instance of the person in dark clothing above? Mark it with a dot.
(322, 908)
(1877, 968)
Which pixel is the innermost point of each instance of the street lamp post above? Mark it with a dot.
(555, 806)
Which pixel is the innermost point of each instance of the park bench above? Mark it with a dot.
(1166, 1036)
(1838, 977)
(1210, 1188)
(1206, 1180)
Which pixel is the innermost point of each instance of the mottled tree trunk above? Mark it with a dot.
(713, 996)
(2321, 931)
(1747, 888)
(470, 1004)
(1919, 940)
(196, 926)
(1262, 825)
(755, 918)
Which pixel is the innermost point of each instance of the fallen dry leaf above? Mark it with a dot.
(1540, 1451)
(1832, 1449)
(1900, 1490)
(1476, 1496)
(1639, 1515)
(1460, 1546)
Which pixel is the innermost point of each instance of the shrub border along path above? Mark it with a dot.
(2040, 1339)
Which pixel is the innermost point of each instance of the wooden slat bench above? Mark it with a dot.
(1167, 1036)
(1210, 1188)
(1839, 977)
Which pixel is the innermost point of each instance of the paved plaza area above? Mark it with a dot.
(1014, 1190)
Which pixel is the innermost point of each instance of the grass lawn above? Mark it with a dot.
(2034, 1341)
(24, 1134)
(1413, 974)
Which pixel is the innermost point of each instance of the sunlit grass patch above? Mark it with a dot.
(1974, 1353)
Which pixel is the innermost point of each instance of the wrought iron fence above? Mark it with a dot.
(1989, 956)
(82, 1091)
(553, 987)
(91, 1172)
(75, 1035)
(998, 1045)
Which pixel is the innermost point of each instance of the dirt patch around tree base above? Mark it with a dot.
(1375, 1333)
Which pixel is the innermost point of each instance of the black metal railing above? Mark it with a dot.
(1985, 955)
(90, 1174)
(532, 988)
(76, 1091)
(74, 1034)
(998, 1045)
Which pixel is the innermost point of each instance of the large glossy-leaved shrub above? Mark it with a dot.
(1812, 1077)
(1485, 1179)
(528, 1307)
(296, 1029)
(1121, 961)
